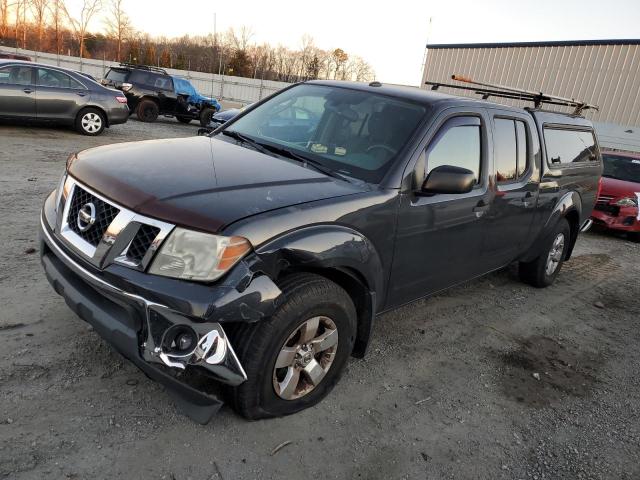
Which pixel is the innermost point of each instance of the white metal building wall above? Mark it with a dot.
(606, 74)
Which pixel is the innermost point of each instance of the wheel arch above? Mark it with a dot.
(568, 207)
(95, 107)
(339, 254)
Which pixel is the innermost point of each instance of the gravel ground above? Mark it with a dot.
(491, 380)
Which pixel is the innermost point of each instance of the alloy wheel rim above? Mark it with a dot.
(555, 254)
(305, 358)
(91, 122)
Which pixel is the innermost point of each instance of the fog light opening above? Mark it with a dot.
(179, 341)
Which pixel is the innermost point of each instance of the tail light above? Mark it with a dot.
(126, 87)
(121, 99)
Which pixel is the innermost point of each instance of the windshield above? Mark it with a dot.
(348, 131)
(621, 168)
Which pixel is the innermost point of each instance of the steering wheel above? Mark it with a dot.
(383, 147)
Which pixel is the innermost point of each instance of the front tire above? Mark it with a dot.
(206, 115)
(543, 271)
(90, 121)
(295, 358)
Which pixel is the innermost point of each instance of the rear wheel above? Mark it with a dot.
(90, 121)
(184, 119)
(295, 358)
(206, 115)
(543, 271)
(147, 111)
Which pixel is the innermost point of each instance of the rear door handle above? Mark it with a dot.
(527, 199)
(80, 94)
(27, 90)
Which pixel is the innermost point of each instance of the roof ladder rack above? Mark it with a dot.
(503, 91)
(144, 67)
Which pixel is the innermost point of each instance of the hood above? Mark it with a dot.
(200, 182)
(619, 188)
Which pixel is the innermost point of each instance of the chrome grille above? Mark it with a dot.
(105, 214)
(118, 235)
(141, 242)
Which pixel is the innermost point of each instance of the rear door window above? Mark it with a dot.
(566, 146)
(152, 80)
(510, 150)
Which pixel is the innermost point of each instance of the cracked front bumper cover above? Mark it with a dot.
(136, 327)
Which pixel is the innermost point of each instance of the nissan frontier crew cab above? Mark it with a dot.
(248, 265)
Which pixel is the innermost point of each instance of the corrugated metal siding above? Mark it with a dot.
(607, 75)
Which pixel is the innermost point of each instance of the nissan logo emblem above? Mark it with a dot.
(86, 216)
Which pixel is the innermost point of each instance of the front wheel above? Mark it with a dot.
(543, 271)
(206, 115)
(295, 358)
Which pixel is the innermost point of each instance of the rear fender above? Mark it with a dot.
(570, 207)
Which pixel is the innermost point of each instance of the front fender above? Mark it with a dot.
(324, 246)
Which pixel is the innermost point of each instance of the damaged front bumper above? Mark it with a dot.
(177, 341)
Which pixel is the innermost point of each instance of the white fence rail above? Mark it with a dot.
(232, 89)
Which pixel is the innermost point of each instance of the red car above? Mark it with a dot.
(617, 204)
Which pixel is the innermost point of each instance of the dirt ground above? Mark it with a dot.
(491, 380)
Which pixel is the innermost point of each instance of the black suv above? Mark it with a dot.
(151, 91)
(257, 259)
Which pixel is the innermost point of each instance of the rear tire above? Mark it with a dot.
(634, 236)
(147, 111)
(307, 297)
(184, 119)
(206, 115)
(543, 271)
(90, 121)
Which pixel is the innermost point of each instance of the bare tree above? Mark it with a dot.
(80, 23)
(118, 25)
(57, 13)
(39, 12)
(4, 17)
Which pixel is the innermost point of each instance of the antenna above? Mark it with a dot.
(504, 91)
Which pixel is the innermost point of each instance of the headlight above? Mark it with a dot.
(60, 189)
(627, 202)
(203, 257)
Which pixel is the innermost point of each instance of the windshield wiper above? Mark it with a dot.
(244, 139)
(285, 152)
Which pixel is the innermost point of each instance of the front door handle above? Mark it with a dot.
(481, 208)
(27, 90)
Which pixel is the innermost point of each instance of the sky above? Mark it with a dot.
(392, 36)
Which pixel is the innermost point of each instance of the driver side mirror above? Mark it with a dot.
(448, 179)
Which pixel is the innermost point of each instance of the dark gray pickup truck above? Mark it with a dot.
(250, 264)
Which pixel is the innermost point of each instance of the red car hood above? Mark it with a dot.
(615, 188)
